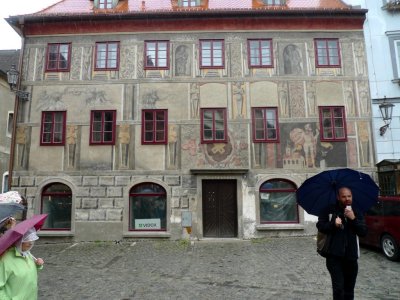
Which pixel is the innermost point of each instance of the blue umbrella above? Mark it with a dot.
(9, 209)
(319, 193)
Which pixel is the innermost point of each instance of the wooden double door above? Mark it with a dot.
(219, 208)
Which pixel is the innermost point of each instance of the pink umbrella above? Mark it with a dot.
(17, 232)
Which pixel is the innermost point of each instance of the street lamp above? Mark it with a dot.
(12, 78)
(386, 110)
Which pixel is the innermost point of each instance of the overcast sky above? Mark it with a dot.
(9, 39)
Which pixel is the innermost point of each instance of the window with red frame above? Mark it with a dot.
(189, 3)
(213, 125)
(157, 53)
(212, 53)
(57, 204)
(52, 131)
(327, 53)
(154, 126)
(102, 127)
(106, 4)
(107, 56)
(274, 2)
(58, 57)
(147, 207)
(332, 123)
(265, 125)
(278, 202)
(260, 53)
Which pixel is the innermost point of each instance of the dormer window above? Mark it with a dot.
(105, 4)
(189, 3)
(274, 2)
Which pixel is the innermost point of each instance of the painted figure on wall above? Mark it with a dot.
(194, 99)
(72, 133)
(181, 61)
(292, 60)
(172, 146)
(303, 148)
(238, 95)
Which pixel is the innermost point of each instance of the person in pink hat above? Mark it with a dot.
(18, 269)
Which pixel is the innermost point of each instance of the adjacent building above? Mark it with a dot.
(7, 101)
(382, 36)
(177, 119)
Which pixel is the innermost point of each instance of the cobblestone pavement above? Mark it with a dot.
(276, 268)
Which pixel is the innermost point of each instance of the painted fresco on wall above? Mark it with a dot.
(232, 154)
(302, 148)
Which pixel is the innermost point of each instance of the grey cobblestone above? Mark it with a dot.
(276, 268)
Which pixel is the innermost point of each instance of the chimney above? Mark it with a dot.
(143, 5)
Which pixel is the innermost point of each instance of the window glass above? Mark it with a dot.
(10, 123)
(102, 127)
(391, 208)
(327, 52)
(5, 183)
(154, 126)
(105, 3)
(58, 57)
(332, 120)
(107, 55)
(278, 202)
(265, 124)
(148, 207)
(212, 53)
(397, 52)
(260, 53)
(157, 54)
(213, 125)
(53, 128)
(57, 203)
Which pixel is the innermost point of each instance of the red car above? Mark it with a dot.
(383, 222)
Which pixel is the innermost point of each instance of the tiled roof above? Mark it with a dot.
(8, 58)
(68, 7)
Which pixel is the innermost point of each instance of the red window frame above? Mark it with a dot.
(52, 129)
(55, 54)
(154, 126)
(210, 125)
(148, 193)
(60, 197)
(273, 2)
(105, 4)
(262, 53)
(281, 186)
(212, 54)
(102, 127)
(159, 54)
(262, 131)
(108, 57)
(332, 121)
(328, 49)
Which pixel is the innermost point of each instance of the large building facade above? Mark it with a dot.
(177, 119)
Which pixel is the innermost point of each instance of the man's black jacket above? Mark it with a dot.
(344, 241)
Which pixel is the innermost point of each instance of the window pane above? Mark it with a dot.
(148, 207)
(57, 203)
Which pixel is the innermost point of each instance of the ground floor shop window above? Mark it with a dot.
(278, 202)
(57, 203)
(147, 207)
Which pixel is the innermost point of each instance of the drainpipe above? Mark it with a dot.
(16, 106)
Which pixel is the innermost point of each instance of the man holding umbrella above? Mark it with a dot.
(344, 227)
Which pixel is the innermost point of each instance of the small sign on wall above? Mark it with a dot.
(186, 219)
(146, 224)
